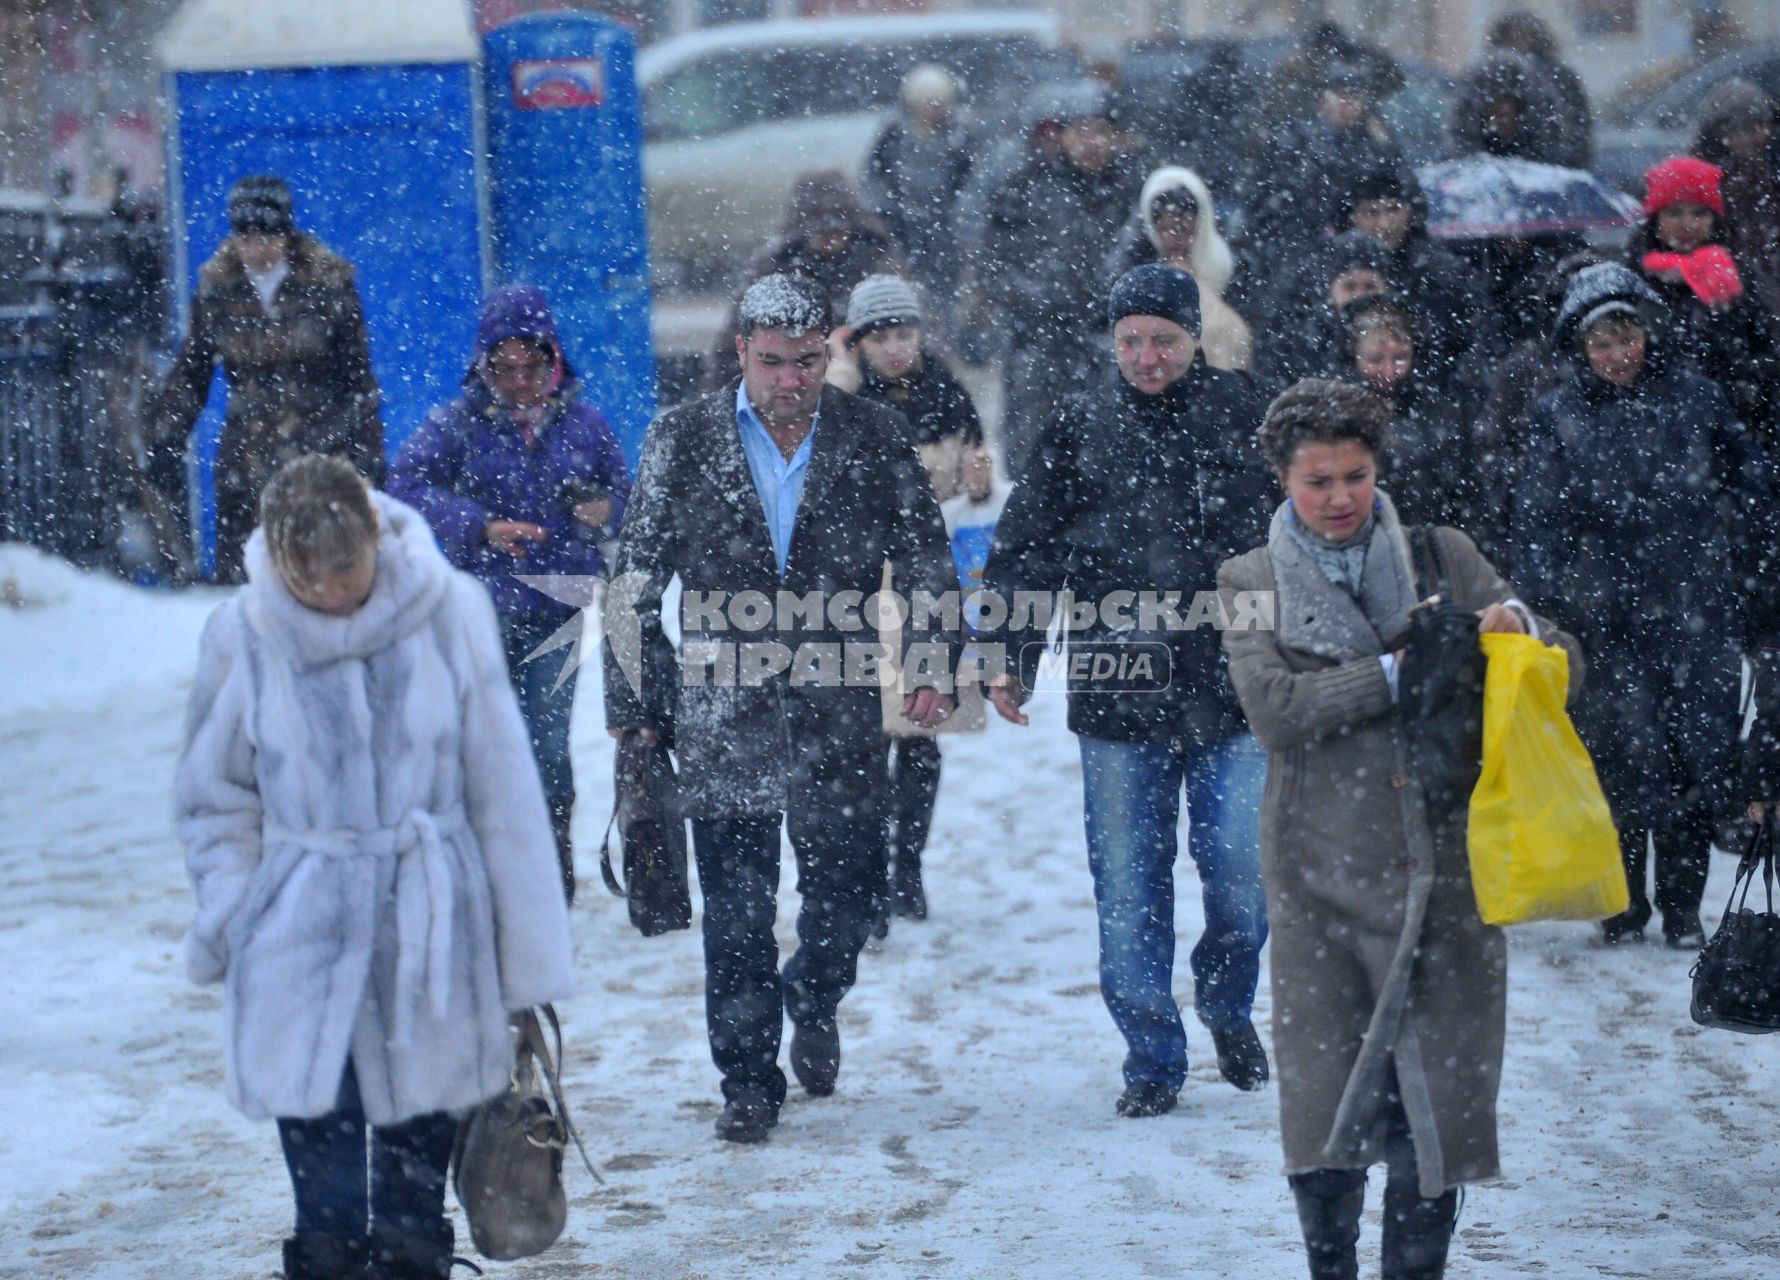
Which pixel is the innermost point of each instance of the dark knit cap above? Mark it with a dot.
(1156, 290)
(260, 203)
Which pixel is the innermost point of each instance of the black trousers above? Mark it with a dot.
(914, 789)
(400, 1191)
(1683, 860)
(840, 877)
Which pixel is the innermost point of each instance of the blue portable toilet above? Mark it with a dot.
(371, 112)
(565, 166)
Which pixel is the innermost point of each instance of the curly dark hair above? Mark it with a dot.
(1322, 411)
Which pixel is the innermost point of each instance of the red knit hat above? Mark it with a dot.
(1683, 180)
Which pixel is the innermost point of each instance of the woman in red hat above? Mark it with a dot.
(1721, 326)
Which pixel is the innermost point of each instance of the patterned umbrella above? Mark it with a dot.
(1483, 196)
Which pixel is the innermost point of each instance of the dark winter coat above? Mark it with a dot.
(1733, 344)
(913, 182)
(821, 201)
(1644, 519)
(1541, 136)
(934, 402)
(1296, 195)
(299, 380)
(1136, 493)
(469, 463)
(1307, 335)
(782, 743)
(1751, 189)
(1430, 468)
(1380, 964)
(1573, 117)
(1045, 246)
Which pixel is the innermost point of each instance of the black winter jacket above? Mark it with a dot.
(1135, 493)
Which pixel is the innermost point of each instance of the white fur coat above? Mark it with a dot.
(367, 838)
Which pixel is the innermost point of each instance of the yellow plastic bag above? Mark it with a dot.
(1541, 837)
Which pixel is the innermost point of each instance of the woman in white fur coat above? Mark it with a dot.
(376, 879)
(1176, 223)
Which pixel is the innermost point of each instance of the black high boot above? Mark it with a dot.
(317, 1257)
(562, 809)
(1329, 1204)
(425, 1255)
(1416, 1231)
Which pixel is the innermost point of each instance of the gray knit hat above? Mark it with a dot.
(881, 301)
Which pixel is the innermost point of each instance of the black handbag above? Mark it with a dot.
(507, 1159)
(1440, 687)
(653, 835)
(1736, 980)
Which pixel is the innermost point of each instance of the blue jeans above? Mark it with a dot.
(1131, 798)
(546, 708)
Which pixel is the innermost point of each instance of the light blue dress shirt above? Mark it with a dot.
(778, 482)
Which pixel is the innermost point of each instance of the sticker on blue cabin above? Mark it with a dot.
(553, 84)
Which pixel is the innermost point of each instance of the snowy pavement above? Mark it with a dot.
(972, 1135)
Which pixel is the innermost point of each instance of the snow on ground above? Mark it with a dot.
(972, 1135)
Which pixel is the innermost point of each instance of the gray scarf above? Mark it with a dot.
(1342, 601)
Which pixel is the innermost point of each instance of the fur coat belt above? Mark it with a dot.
(424, 891)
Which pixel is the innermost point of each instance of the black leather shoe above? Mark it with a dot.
(746, 1118)
(1241, 1059)
(816, 1057)
(318, 1257)
(1144, 1099)
(908, 897)
(1622, 929)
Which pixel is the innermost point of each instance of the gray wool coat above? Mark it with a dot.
(1379, 957)
(367, 840)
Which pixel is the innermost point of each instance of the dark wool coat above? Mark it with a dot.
(784, 743)
(1045, 246)
(299, 379)
(913, 181)
(1379, 958)
(1645, 520)
(1751, 188)
(1128, 492)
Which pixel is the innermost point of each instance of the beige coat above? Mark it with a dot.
(1378, 952)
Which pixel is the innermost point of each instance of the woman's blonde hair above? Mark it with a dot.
(317, 517)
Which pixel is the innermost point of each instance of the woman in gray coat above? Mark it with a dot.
(1388, 990)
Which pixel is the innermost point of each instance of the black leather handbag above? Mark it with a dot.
(1440, 687)
(1736, 980)
(653, 834)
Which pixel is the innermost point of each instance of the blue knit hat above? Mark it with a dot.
(1156, 290)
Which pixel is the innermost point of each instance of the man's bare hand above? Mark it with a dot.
(595, 514)
(1004, 693)
(928, 707)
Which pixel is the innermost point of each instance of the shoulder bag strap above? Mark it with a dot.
(606, 872)
(532, 1038)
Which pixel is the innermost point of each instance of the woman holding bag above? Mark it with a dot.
(1388, 990)
(376, 879)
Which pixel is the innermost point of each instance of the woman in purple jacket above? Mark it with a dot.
(518, 478)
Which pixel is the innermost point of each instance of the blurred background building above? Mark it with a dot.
(80, 106)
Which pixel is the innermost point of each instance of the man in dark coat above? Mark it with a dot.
(1531, 37)
(1739, 132)
(1138, 491)
(1047, 236)
(830, 239)
(281, 314)
(1502, 109)
(763, 498)
(913, 176)
(1645, 524)
(1307, 167)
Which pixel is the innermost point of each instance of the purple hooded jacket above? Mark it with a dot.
(469, 464)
